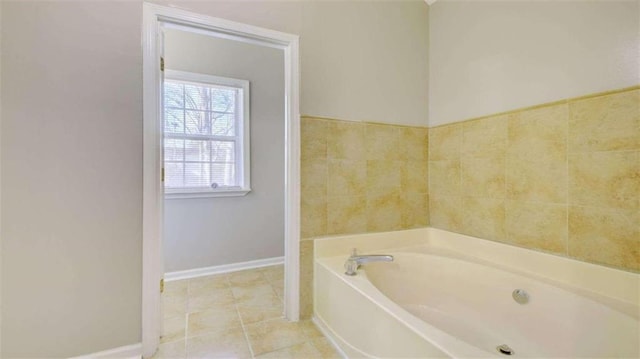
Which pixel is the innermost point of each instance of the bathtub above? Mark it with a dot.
(450, 295)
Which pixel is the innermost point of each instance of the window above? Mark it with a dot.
(206, 135)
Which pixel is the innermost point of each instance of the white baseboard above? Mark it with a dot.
(225, 268)
(133, 351)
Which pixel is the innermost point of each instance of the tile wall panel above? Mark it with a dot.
(563, 178)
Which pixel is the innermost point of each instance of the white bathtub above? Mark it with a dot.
(449, 295)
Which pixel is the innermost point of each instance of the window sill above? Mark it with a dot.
(235, 192)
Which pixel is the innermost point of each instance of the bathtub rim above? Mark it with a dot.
(599, 280)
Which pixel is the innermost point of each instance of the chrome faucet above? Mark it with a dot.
(354, 261)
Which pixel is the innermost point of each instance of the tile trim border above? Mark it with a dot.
(360, 121)
(125, 352)
(225, 268)
(546, 104)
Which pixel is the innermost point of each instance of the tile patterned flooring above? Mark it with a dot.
(235, 315)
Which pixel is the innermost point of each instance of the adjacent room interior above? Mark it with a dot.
(224, 182)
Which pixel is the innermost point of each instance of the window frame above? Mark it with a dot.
(242, 148)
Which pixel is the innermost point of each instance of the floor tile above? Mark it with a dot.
(174, 305)
(272, 273)
(298, 351)
(247, 278)
(274, 334)
(214, 297)
(236, 315)
(264, 309)
(173, 350)
(175, 287)
(326, 349)
(278, 287)
(204, 285)
(253, 294)
(310, 330)
(173, 328)
(216, 318)
(222, 344)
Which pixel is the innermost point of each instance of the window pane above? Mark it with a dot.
(223, 124)
(196, 123)
(197, 174)
(173, 150)
(223, 100)
(173, 94)
(195, 114)
(223, 151)
(197, 150)
(196, 97)
(223, 174)
(173, 175)
(173, 121)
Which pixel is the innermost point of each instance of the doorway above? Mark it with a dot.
(229, 173)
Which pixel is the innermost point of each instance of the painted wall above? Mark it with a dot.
(72, 219)
(71, 177)
(206, 232)
(488, 57)
(360, 60)
(0, 180)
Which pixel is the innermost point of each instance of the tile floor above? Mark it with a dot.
(235, 315)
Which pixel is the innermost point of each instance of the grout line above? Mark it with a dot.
(186, 328)
(307, 336)
(326, 180)
(186, 317)
(244, 330)
(506, 184)
(463, 220)
(566, 184)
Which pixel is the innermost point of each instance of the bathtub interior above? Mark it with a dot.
(474, 302)
(453, 289)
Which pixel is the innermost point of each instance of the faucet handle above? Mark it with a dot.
(351, 267)
(354, 252)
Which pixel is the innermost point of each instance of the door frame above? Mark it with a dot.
(154, 16)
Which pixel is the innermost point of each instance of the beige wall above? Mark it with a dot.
(71, 177)
(562, 178)
(359, 177)
(360, 60)
(72, 145)
(0, 179)
(205, 232)
(493, 56)
(372, 55)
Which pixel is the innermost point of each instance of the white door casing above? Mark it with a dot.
(154, 17)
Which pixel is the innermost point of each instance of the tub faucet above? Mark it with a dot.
(354, 261)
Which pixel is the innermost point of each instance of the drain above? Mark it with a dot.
(504, 349)
(520, 296)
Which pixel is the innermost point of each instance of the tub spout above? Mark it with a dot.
(354, 261)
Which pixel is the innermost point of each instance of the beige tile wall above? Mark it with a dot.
(362, 177)
(359, 177)
(562, 178)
